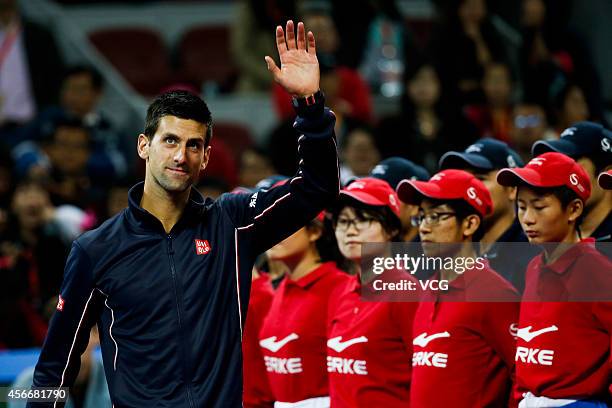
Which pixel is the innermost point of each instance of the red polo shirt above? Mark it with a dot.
(463, 350)
(257, 392)
(292, 339)
(563, 348)
(369, 349)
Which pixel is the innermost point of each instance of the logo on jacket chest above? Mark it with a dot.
(202, 246)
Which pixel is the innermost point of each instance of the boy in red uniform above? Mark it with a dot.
(563, 339)
(460, 341)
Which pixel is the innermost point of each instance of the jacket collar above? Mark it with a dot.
(142, 219)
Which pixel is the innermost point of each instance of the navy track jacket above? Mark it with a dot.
(170, 308)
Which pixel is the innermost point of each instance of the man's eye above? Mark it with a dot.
(170, 140)
(539, 208)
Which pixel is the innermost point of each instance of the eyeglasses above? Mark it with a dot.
(343, 224)
(433, 218)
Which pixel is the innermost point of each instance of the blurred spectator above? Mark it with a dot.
(255, 165)
(253, 38)
(462, 45)
(32, 257)
(569, 107)
(61, 161)
(345, 91)
(6, 178)
(367, 16)
(529, 125)
(428, 125)
(90, 389)
(552, 55)
(212, 187)
(81, 90)
(358, 153)
(387, 45)
(493, 119)
(30, 68)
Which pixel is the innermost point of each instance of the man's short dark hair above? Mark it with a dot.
(183, 105)
(50, 129)
(96, 78)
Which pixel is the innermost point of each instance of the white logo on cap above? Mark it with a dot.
(537, 161)
(510, 160)
(574, 180)
(393, 201)
(569, 131)
(605, 145)
(474, 148)
(356, 185)
(438, 177)
(379, 169)
(471, 192)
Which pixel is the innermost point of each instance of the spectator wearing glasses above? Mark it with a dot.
(369, 344)
(461, 336)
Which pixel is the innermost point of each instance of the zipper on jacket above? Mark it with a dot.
(178, 313)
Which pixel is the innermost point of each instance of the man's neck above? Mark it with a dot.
(495, 230)
(167, 208)
(596, 215)
(553, 251)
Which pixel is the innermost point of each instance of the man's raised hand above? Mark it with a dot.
(299, 68)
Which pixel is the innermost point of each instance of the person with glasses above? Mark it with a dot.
(293, 336)
(369, 343)
(461, 336)
(501, 229)
(564, 335)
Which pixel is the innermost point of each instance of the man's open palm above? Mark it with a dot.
(299, 71)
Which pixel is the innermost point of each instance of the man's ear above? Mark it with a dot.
(575, 208)
(143, 146)
(206, 158)
(471, 224)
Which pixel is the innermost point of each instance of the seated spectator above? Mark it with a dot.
(251, 40)
(345, 91)
(90, 389)
(358, 154)
(82, 88)
(552, 54)
(32, 257)
(30, 69)
(569, 107)
(463, 44)
(493, 118)
(62, 160)
(428, 126)
(255, 165)
(529, 125)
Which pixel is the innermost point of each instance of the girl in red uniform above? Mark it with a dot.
(293, 336)
(369, 344)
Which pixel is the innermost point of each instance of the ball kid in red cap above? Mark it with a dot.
(455, 330)
(553, 366)
(369, 343)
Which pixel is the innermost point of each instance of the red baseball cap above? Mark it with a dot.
(549, 170)
(372, 191)
(605, 180)
(449, 184)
